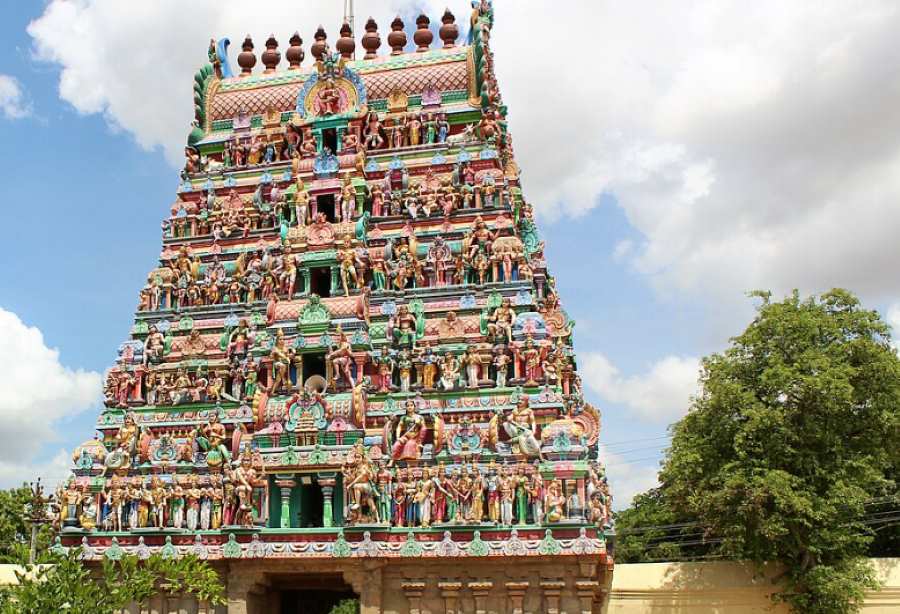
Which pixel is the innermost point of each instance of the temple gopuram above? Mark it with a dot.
(350, 373)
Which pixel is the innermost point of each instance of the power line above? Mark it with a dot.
(630, 441)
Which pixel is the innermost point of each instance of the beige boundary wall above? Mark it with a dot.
(720, 587)
(679, 588)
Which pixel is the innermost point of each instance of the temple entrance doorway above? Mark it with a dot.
(314, 594)
(312, 505)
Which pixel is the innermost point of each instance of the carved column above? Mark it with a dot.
(516, 593)
(286, 484)
(579, 488)
(450, 593)
(413, 590)
(336, 288)
(320, 140)
(237, 600)
(360, 360)
(367, 583)
(586, 590)
(304, 277)
(552, 590)
(420, 375)
(339, 138)
(241, 583)
(517, 363)
(360, 197)
(327, 484)
(480, 591)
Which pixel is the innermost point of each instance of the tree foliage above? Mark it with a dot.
(651, 530)
(67, 585)
(795, 433)
(346, 606)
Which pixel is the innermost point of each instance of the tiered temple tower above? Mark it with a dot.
(350, 369)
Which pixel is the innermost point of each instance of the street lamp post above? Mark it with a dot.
(36, 510)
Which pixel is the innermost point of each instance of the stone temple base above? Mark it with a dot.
(571, 585)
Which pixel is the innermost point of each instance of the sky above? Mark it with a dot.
(679, 155)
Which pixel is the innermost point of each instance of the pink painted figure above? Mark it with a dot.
(410, 434)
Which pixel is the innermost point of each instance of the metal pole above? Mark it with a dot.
(348, 17)
(32, 555)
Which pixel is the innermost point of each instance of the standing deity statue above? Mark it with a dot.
(404, 366)
(348, 201)
(281, 357)
(350, 261)
(507, 497)
(439, 256)
(472, 362)
(363, 490)
(501, 366)
(429, 362)
(536, 496)
(341, 360)
(301, 203)
(244, 478)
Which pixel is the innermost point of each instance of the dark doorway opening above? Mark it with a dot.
(329, 139)
(320, 281)
(315, 594)
(313, 364)
(312, 506)
(325, 204)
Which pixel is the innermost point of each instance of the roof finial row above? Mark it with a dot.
(346, 45)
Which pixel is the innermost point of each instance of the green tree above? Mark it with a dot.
(795, 430)
(15, 527)
(68, 585)
(653, 530)
(346, 606)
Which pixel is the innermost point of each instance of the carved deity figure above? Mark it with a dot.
(301, 203)
(438, 256)
(449, 371)
(521, 427)
(500, 322)
(362, 488)
(501, 366)
(341, 359)
(349, 262)
(410, 433)
(328, 99)
(281, 364)
(473, 367)
(555, 502)
(244, 478)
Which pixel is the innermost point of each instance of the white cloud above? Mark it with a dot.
(52, 471)
(38, 392)
(135, 62)
(12, 99)
(622, 250)
(660, 395)
(751, 145)
(628, 478)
